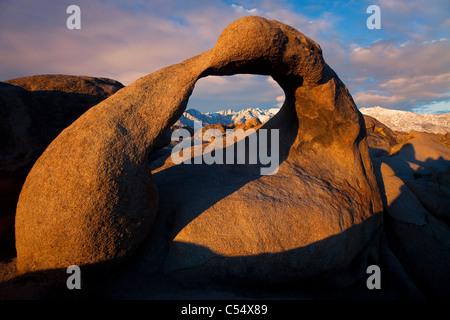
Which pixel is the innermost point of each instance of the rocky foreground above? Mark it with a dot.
(104, 193)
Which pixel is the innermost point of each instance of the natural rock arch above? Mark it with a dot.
(90, 197)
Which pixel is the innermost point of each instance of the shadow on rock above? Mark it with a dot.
(415, 191)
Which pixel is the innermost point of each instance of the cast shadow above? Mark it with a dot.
(202, 185)
(421, 248)
(205, 185)
(263, 276)
(59, 109)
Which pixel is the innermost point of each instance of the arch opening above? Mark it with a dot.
(216, 93)
(221, 120)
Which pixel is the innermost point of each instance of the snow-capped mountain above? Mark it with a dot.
(225, 116)
(406, 121)
(396, 120)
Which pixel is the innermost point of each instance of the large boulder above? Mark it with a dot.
(91, 192)
(252, 123)
(34, 111)
(62, 99)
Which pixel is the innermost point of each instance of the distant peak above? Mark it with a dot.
(225, 116)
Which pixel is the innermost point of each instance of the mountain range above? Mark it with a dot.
(225, 117)
(406, 121)
(403, 121)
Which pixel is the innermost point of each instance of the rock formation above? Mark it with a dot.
(415, 188)
(61, 99)
(252, 122)
(34, 111)
(380, 138)
(91, 192)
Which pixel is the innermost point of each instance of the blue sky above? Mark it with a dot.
(405, 65)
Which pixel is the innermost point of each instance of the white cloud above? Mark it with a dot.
(376, 98)
(280, 100)
(419, 84)
(244, 11)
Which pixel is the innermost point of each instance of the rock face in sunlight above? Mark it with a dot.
(92, 193)
(252, 122)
